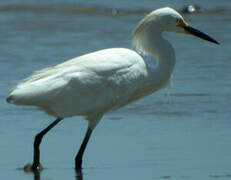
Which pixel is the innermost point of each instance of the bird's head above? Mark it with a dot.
(167, 19)
(171, 20)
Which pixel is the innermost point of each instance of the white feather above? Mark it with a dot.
(104, 80)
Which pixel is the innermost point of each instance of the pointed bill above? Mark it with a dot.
(199, 34)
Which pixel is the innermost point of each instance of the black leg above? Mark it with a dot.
(38, 139)
(79, 156)
(78, 175)
(36, 175)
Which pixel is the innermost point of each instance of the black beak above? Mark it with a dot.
(199, 34)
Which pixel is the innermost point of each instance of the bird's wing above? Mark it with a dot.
(105, 82)
(94, 81)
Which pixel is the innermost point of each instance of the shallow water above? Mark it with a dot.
(181, 133)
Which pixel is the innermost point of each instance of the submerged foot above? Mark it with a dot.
(32, 168)
(79, 175)
(78, 165)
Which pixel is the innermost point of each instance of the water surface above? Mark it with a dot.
(177, 133)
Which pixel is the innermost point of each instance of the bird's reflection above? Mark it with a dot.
(36, 175)
(78, 175)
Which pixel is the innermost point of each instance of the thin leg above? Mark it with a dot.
(37, 141)
(79, 156)
(36, 175)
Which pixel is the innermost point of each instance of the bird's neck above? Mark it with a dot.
(148, 39)
(164, 53)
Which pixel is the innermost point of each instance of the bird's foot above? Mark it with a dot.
(78, 166)
(32, 168)
(78, 174)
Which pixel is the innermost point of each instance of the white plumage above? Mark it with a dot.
(93, 84)
(90, 84)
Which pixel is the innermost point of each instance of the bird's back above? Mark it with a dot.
(98, 81)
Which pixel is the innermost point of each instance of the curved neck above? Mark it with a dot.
(164, 53)
(165, 57)
(149, 40)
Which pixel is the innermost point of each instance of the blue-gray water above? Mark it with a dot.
(181, 133)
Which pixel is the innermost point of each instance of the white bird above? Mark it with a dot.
(93, 84)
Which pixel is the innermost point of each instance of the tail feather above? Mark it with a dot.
(10, 99)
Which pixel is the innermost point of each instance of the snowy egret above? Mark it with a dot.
(93, 84)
